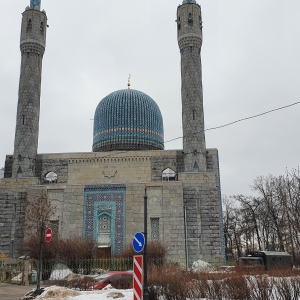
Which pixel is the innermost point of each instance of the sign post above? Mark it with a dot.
(138, 277)
(138, 242)
(145, 282)
(38, 281)
(48, 235)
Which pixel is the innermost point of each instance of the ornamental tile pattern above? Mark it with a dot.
(128, 120)
(110, 200)
(154, 229)
(35, 3)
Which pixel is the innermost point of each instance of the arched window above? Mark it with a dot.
(19, 173)
(178, 23)
(196, 167)
(42, 28)
(168, 175)
(50, 177)
(190, 20)
(29, 26)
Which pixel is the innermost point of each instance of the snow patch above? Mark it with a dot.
(60, 272)
(200, 266)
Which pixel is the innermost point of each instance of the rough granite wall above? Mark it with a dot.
(199, 192)
(32, 46)
(173, 161)
(45, 165)
(201, 196)
(189, 35)
(165, 204)
(13, 195)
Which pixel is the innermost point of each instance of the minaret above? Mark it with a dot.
(32, 46)
(189, 35)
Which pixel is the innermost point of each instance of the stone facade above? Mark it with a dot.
(100, 195)
(189, 35)
(197, 194)
(32, 46)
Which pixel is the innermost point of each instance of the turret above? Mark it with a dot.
(189, 35)
(32, 46)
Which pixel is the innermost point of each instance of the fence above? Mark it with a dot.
(12, 270)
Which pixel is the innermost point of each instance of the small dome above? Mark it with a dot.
(189, 1)
(128, 120)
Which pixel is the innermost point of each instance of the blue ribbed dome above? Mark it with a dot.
(128, 120)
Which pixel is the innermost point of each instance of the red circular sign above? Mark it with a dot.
(48, 235)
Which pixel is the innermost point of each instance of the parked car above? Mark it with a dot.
(266, 259)
(121, 280)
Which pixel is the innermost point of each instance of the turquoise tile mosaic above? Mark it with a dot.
(128, 120)
(109, 201)
(35, 3)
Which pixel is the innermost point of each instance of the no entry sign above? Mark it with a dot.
(138, 277)
(48, 235)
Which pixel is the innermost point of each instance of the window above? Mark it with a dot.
(54, 225)
(19, 172)
(178, 23)
(29, 26)
(168, 175)
(42, 28)
(200, 22)
(196, 167)
(51, 177)
(115, 278)
(154, 229)
(190, 20)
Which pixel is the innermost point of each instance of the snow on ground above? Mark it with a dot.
(56, 292)
(60, 271)
(200, 266)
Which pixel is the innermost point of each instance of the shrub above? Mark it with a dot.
(170, 281)
(156, 253)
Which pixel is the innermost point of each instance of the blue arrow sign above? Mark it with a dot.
(138, 242)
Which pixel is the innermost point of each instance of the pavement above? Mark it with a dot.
(14, 291)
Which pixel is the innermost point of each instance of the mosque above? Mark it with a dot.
(100, 194)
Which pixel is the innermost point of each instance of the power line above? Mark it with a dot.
(243, 119)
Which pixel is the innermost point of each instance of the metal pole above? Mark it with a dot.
(145, 282)
(38, 281)
(185, 240)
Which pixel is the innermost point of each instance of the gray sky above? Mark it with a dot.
(250, 59)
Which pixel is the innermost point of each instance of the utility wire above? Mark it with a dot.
(243, 119)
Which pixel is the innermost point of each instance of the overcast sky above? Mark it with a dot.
(251, 64)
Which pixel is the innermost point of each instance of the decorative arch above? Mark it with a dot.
(50, 177)
(19, 173)
(168, 175)
(104, 228)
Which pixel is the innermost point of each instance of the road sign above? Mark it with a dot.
(138, 242)
(48, 235)
(138, 277)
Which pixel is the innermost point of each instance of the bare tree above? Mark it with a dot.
(38, 212)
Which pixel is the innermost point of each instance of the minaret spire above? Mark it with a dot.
(32, 46)
(189, 35)
(35, 3)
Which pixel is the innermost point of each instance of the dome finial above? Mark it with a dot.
(128, 84)
(35, 3)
